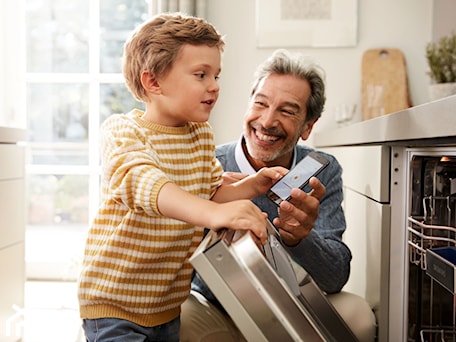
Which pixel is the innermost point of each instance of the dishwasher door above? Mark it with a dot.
(258, 288)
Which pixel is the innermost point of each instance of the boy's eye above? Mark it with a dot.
(200, 75)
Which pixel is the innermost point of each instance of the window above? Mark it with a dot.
(73, 82)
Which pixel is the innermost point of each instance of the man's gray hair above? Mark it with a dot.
(283, 62)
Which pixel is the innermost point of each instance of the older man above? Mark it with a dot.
(287, 99)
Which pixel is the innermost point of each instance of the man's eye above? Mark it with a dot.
(288, 112)
(259, 104)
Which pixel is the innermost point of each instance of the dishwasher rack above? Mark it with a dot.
(423, 237)
(423, 241)
(439, 335)
(435, 229)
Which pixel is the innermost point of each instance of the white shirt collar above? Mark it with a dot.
(244, 164)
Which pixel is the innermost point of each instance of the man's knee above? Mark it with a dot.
(201, 321)
(357, 313)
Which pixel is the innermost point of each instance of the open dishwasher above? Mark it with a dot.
(432, 246)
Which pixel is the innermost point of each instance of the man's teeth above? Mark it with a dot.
(265, 137)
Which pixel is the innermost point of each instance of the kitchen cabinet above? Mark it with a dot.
(367, 210)
(12, 233)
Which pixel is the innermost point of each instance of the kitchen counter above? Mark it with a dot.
(10, 135)
(430, 122)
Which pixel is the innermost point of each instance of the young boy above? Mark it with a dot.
(161, 186)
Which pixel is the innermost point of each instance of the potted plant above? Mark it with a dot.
(441, 58)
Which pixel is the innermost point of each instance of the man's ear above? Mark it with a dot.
(308, 129)
(150, 83)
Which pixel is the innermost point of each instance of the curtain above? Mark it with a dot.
(190, 7)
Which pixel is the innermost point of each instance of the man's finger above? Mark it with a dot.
(318, 189)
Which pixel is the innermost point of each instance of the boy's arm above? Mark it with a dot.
(178, 204)
(250, 186)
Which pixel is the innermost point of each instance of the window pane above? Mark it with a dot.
(59, 153)
(57, 225)
(58, 199)
(117, 19)
(57, 118)
(115, 98)
(57, 112)
(57, 35)
(65, 93)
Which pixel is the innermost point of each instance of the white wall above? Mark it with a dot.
(443, 18)
(11, 62)
(404, 24)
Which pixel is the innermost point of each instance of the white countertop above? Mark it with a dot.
(10, 135)
(430, 121)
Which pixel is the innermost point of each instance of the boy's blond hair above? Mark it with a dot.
(154, 46)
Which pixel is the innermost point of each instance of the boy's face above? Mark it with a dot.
(189, 90)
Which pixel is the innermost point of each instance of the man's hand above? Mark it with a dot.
(296, 217)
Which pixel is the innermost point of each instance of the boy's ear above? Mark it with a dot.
(150, 83)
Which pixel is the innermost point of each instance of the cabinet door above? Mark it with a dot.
(11, 292)
(12, 212)
(368, 239)
(367, 206)
(12, 157)
(366, 169)
(12, 236)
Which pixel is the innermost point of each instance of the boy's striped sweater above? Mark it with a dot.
(136, 262)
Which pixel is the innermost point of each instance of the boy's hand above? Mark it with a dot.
(268, 176)
(230, 177)
(237, 185)
(240, 215)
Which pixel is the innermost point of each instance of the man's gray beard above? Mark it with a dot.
(270, 157)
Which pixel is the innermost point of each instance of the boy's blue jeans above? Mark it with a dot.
(114, 329)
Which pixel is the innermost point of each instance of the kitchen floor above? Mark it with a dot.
(51, 312)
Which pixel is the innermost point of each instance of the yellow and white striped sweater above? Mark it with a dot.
(136, 262)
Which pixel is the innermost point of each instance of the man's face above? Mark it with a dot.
(274, 121)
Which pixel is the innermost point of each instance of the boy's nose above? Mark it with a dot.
(214, 86)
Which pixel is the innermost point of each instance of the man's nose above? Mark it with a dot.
(269, 117)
